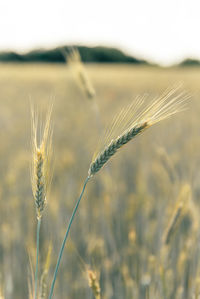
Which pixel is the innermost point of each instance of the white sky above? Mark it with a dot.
(163, 31)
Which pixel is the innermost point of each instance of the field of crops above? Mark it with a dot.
(137, 226)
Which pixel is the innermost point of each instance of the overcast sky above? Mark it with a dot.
(163, 31)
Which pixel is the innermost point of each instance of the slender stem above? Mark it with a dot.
(37, 255)
(65, 238)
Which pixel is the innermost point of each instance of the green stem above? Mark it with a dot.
(65, 238)
(37, 256)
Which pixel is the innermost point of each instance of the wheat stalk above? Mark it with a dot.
(132, 121)
(41, 174)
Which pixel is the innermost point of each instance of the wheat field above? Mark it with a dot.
(137, 226)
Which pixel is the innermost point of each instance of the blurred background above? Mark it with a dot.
(137, 228)
(157, 31)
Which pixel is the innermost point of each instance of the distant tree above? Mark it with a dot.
(11, 57)
(88, 54)
(190, 62)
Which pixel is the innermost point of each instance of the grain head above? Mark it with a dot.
(134, 120)
(42, 153)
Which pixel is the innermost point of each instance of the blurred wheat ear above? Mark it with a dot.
(73, 59)
(41, 172)
(93, 282)
(1, 293)
(31, 280)
(134, 120)
(180, 208)
(43, 280)
(181, 205)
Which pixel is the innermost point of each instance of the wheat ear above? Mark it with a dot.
(42, 150)
(65, 238)
(144, 117)
(113, 147)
